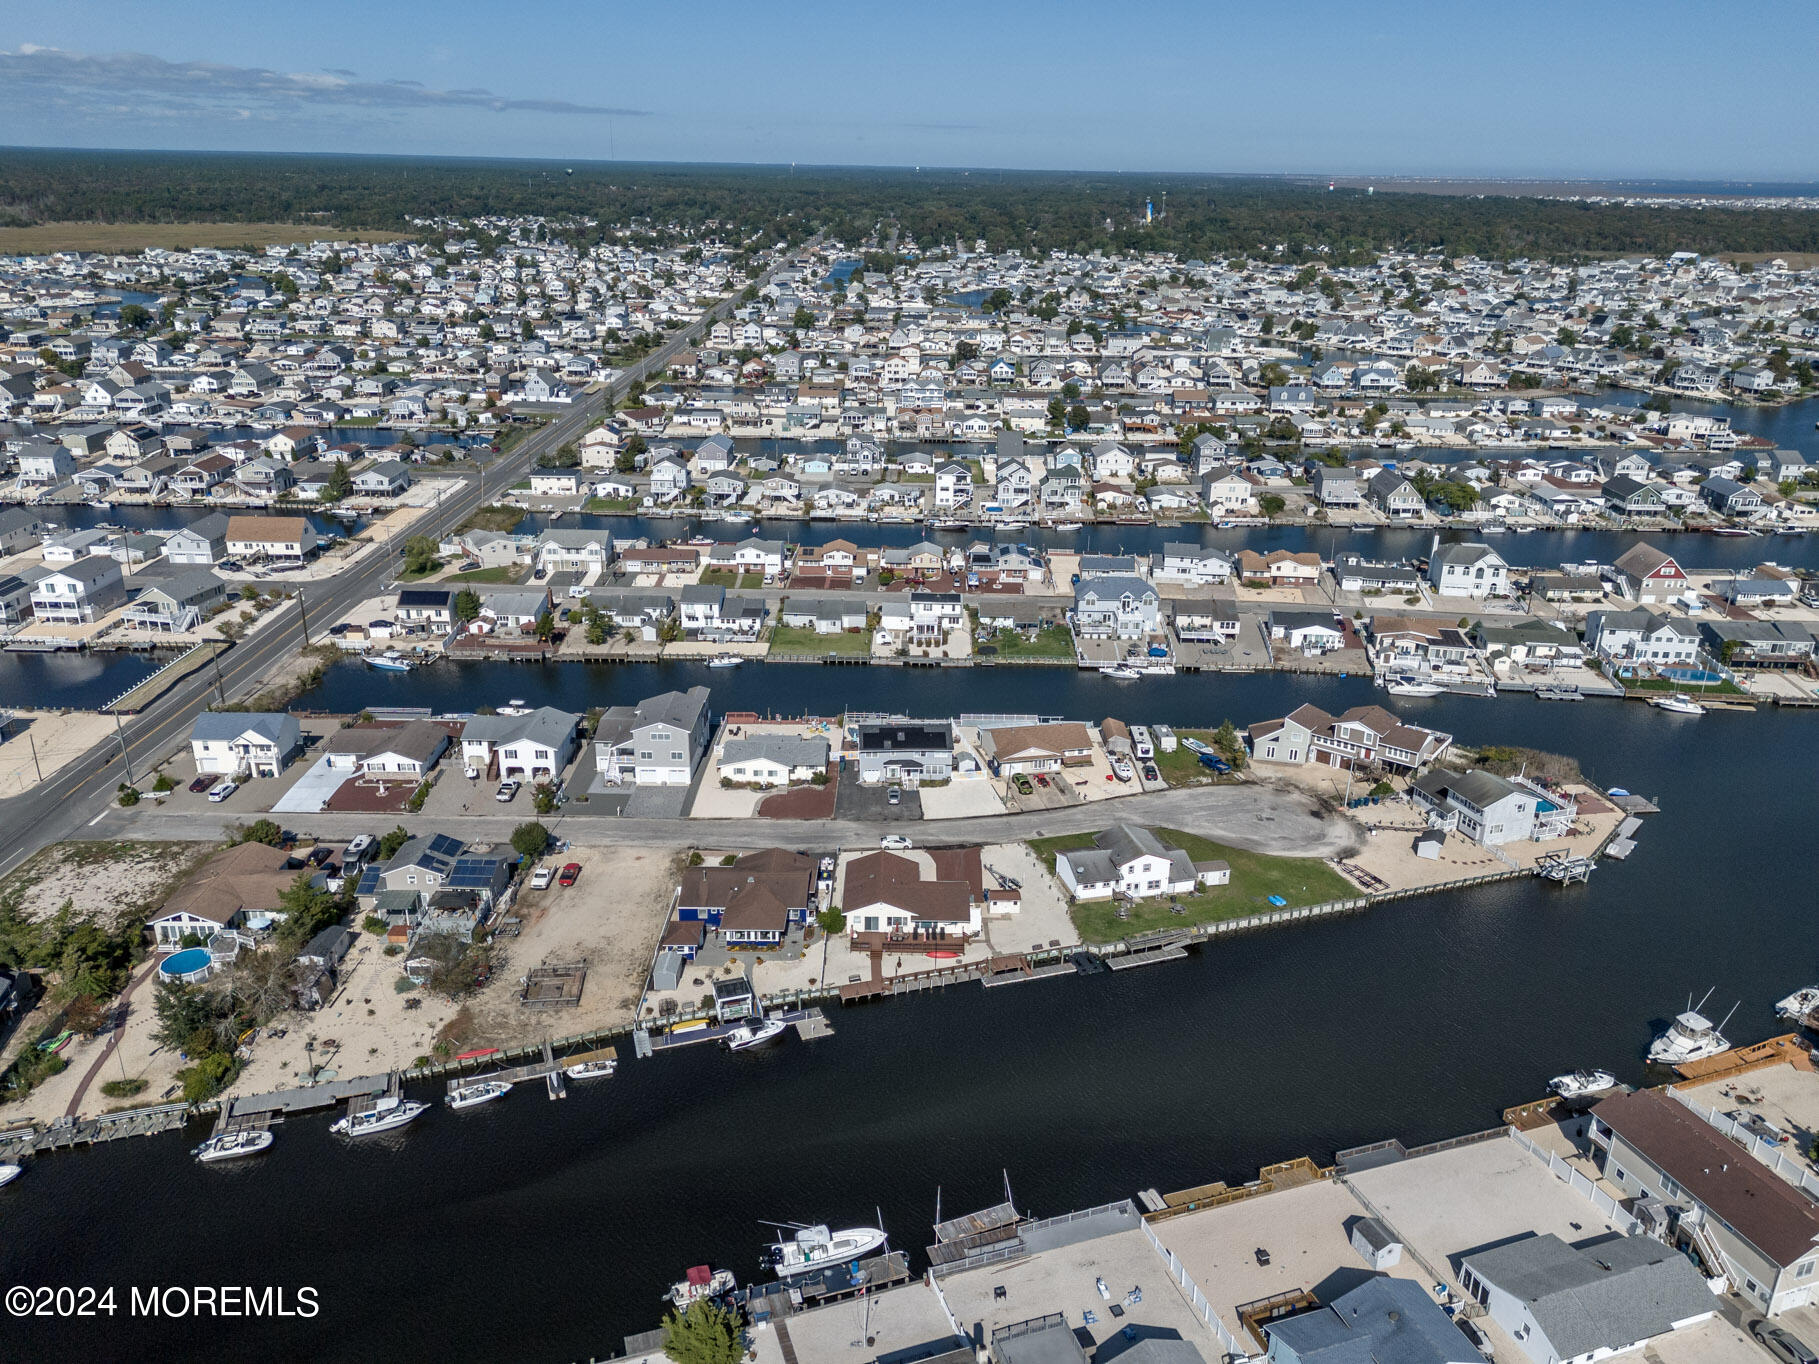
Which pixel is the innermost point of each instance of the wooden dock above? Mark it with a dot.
(1148, 957)
(777, 1302)
(362, 1090)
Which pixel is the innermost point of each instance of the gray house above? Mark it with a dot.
(657, 742)
(908, 751)
(201, 543)
(1116, 607)
(1337, 487)
(1383, 1319)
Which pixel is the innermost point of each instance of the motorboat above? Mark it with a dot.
(391, 661)
(1733, 532)
(386, 1115)
(233, 1145)
(1069, 527)
(1582, 1084)
(814, 1247)
(1411, 686)
(725, 661)
(1122, 672)
(1799, 1006)
(1690, 1037)
(1678, 704)
(472, 1096)
(700, 1282)
(8, 1173)
(591, 1070)
(759, 1032)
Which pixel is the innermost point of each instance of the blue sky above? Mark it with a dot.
(1671, 89)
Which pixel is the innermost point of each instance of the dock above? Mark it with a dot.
(810, 1024)
(361, 1091)
(66, 1133)
(778, 1302)
(1169, 949)
(547, 1068)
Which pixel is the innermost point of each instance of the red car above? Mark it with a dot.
(570, 874)
(201, 784)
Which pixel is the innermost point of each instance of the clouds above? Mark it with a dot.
(84, 85)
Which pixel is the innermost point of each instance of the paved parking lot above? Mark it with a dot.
(858, 801)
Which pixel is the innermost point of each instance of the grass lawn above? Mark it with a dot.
(610, 504)
(413, 575)
(1255, 877)
(1665, 685)
(498, 573)
(1052, 641)
(725, 577)
(42, 237)
(496, 517)
(800, 639)
(1182, 767)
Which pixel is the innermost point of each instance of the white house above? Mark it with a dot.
(1468, 570)
(772, 759)
(1489, 809)
(654, 743)
(1130, 861)
(80, 594)
(532, 747)
(236, 744)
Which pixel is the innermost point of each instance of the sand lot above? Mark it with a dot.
(103, 881)
(58, 736)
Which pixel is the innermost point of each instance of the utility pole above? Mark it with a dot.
(220, 682)
(34, 743)
(304, 610)
(125, 757)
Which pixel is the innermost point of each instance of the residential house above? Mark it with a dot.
(907, 751)
(1491, 810)
(1337, 487)
(772, 759)
(236, 888)
(1395, 496)
(1364, 735)
(1468, 570)
(1116, 607)
(81, 593)
(1131, 862)
(1278, 568)
(1012, 750)
(177, 604)
(1192, 564)
(534, 747)
(657, 742)
(280, 539)
(752, 903)
(1382, 1320)
(243, 744)
(1649, 575)
(1641, 636)
(888, 893)
(1311, 632)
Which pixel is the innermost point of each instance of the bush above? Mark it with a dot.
(165, 782)
(129, 795)
(123, 1089)
(208, 1077)
(530, 840)
(421, 794)
(404, 985)
(374, 925)
(393, 949)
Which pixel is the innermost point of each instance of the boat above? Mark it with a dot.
(1411, 686)
(386, 1115)
(1679, 704)
(1690, 1037)
(1123, 672)
(1559, 694)
(1799, 1006)
(1582, 1084)
(700, 1282)
(391, 661)
(814, 1247)
(472, 1096)
(591, 1070)
(1492, 528)
(725, 661)
(233, 1145)
(1733, 532)
(759, 1032)
(8, 1173)
(1525, 530)
(1069, 526)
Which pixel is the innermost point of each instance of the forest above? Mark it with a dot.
(1199, 216)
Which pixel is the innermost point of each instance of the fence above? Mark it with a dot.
(1771, 1154)
(1580, 1183)
(1191, 1291)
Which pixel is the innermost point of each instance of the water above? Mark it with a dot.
(73, 681)
(1421, 1020)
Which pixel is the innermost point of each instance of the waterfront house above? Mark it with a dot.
(1730, 497)
(409, 750)
(1383, 1320)
(233, 888)
(1758, 643)
(176, 604)
(1395, 496)
(1116, 608)
(1762, 1230)
(20, 529)
(772, 759)
(421, 866)
(1014, 749)
(1611, 1297)
(1355, 573)
(426, 606)
(657, 742)
(1625, 496)
(1278, 568)
(573, 551)
(1228, 492)
(907, 751)
(1132, 862)
(1191, 564)
(953, 486)
(753, 902)
(1489, 809)
(81, 593)
(281, 539)
(1468, 570)
(1641, 636)
(1336, 487)
(15, 599)
(1649, 575)
(533, 747)
(887, 893)
(1363, 735)
(1311, 632)
(243, 744)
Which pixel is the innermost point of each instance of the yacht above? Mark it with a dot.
(386, 1115)
(758, 1033)
(1690, 1037)
(1799, 1006)
(232, 1145)
(1123, 672)
(701, 1282)
(472, 1096)
(813, 1247)
(1411, 686)
(591, 1070)
(1679, 704)
(725, 661)
(391, 661)
(1582, 1084)
(8, 1173)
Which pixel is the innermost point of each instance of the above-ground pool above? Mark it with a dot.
(190, 965)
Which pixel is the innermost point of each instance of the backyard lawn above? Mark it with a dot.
(610, 504)
(725, 577)
(1052, 641)
(1182, 767)
(800, 639)
(498, 573)
(1255, 877)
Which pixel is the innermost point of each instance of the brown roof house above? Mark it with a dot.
(931, 895)
(235, 888)
(753, 902)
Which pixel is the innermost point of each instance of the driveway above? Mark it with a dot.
(856, 802)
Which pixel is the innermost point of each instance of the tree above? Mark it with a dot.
(703, 1333)
(1078, 418)
(1230, 746)
(391, 842)
(340, 483)
(530, 840)
(832, 922)
(1271, 504)
(134, 317)
(543, 798)
(183, 1012)
(264, 831)
(308, 909)
(466, 605)
(1272, 375)
(420, 555)
(802, 320)
(546, 625)
(563, 457)
(1420, 379)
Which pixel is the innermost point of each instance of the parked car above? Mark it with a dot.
(570, 874)
(895, 843)
(507, 789)
(1783, 1344)
(1214, 761)
(358, 849)
(541, 878)
(1150, 773)
(895, 795)
(223, 791)
(1041, 780)
(1024, 787)
(201, 784)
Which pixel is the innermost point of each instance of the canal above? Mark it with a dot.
(547, 1231)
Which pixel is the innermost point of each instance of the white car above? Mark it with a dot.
(895, 842)
(223, 791)
(541, 878)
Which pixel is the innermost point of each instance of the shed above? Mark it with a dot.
(1376, 1243)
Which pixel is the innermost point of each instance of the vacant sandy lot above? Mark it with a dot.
(103, 881)
(57, 736)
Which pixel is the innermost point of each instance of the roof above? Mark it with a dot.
(892, 879)
(787, 750)
(1464, 554)
(911, 736)
(1481, 789)
(420, 739)
(1604, 1296)
(248, 876)
(268, 529)
(1642, 560)
(1769, 1213)
(545, 725)
(1381, 1320)
(1016, 741)
(218, 725)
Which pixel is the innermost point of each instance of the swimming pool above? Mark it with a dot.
(188, 966)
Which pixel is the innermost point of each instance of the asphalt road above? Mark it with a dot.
(1260, 818)
(79, 796)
